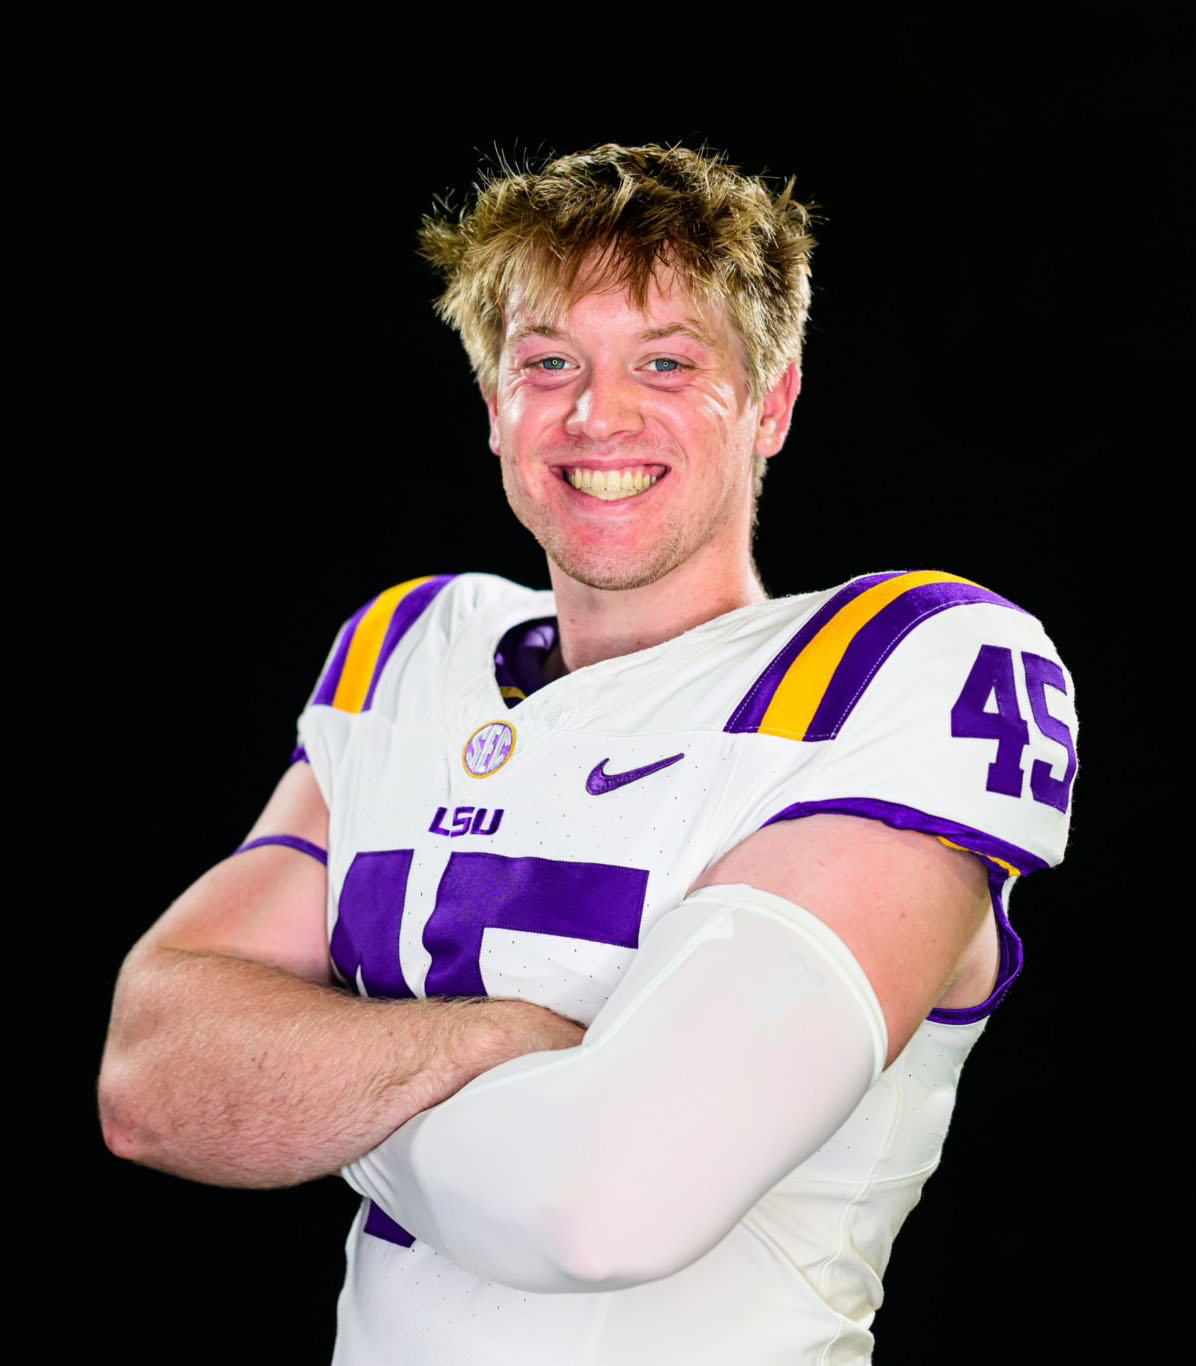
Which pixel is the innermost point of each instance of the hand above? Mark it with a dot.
(480, 1033)
(521, 1027)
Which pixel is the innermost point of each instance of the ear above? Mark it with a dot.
(491, 402)
(776, 412)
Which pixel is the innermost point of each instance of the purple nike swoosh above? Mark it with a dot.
(599, 782)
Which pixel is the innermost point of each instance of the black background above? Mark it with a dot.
(238, 420)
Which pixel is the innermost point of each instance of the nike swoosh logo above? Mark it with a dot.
(599, 781)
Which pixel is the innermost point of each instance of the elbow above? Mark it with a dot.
(119, 1138)
(131, 1081)
(593, 1230)
(575, 1245)
(121, 1115)
(615, 1223)
(603, 1244)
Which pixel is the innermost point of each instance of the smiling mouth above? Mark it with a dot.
(611, 485)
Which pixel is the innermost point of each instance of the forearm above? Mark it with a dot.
(234, 1072)
(742, 1027)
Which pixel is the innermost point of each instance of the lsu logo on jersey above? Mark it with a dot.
(466, 820)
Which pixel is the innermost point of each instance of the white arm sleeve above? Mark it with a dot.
(741, 1038)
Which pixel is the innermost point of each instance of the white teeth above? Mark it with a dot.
(611, 484)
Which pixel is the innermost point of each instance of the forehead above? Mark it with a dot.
(669, 309)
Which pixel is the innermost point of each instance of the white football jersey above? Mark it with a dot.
(525, 851)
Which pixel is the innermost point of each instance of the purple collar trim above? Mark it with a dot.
(522, 654)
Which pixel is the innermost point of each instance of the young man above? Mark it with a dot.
(621, 943)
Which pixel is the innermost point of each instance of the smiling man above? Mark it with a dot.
(620, 943)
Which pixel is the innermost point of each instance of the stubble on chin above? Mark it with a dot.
(606, 570)
(616, 576)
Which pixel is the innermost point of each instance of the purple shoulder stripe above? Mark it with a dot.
(750, 712)
(1003, 855)
(999, 857)
(407, 611)
(331, 677)
(289, 842)
(874, 642)
(862, 654)
(406, 614)
(299, 755)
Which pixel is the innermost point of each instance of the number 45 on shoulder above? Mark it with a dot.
(992, 676)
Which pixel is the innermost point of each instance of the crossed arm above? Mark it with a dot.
(232, 1059)
(742, 1036)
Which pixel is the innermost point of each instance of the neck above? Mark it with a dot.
(602, 623)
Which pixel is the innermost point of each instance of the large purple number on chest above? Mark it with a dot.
(601, 902)
(369, 912)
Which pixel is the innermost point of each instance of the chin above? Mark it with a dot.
(614, 571)
(615, 579)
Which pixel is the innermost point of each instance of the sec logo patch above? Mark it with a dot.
(488, 748)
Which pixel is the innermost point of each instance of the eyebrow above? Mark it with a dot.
(690, 328)
(534, 330)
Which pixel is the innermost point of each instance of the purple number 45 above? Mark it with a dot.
(992, 676)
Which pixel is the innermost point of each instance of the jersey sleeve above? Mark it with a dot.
(349, 680)
(934, 704)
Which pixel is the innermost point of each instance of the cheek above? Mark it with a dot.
(719, 407)
(523, 418)
(720, 427)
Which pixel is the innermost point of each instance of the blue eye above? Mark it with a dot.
(553, 362)
(668, 365)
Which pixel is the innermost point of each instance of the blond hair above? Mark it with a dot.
(637, 211)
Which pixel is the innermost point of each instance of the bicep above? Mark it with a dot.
(268, 903)
(905, 905)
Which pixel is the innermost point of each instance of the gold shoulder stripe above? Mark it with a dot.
(366, 646)
(989, 858)
(806, 680)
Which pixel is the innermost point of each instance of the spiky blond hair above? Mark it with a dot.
(639, 210)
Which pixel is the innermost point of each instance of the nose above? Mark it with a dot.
(607, 406)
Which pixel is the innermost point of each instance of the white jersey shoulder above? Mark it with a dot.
(931, 703)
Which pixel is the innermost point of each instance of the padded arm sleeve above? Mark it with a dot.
(741, 1038)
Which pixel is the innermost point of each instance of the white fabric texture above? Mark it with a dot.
(741, 1038)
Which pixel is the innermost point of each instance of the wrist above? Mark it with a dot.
(459, 1040)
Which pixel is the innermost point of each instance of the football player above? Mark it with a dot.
(621, 943)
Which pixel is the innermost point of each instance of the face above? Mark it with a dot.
(627, 437)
